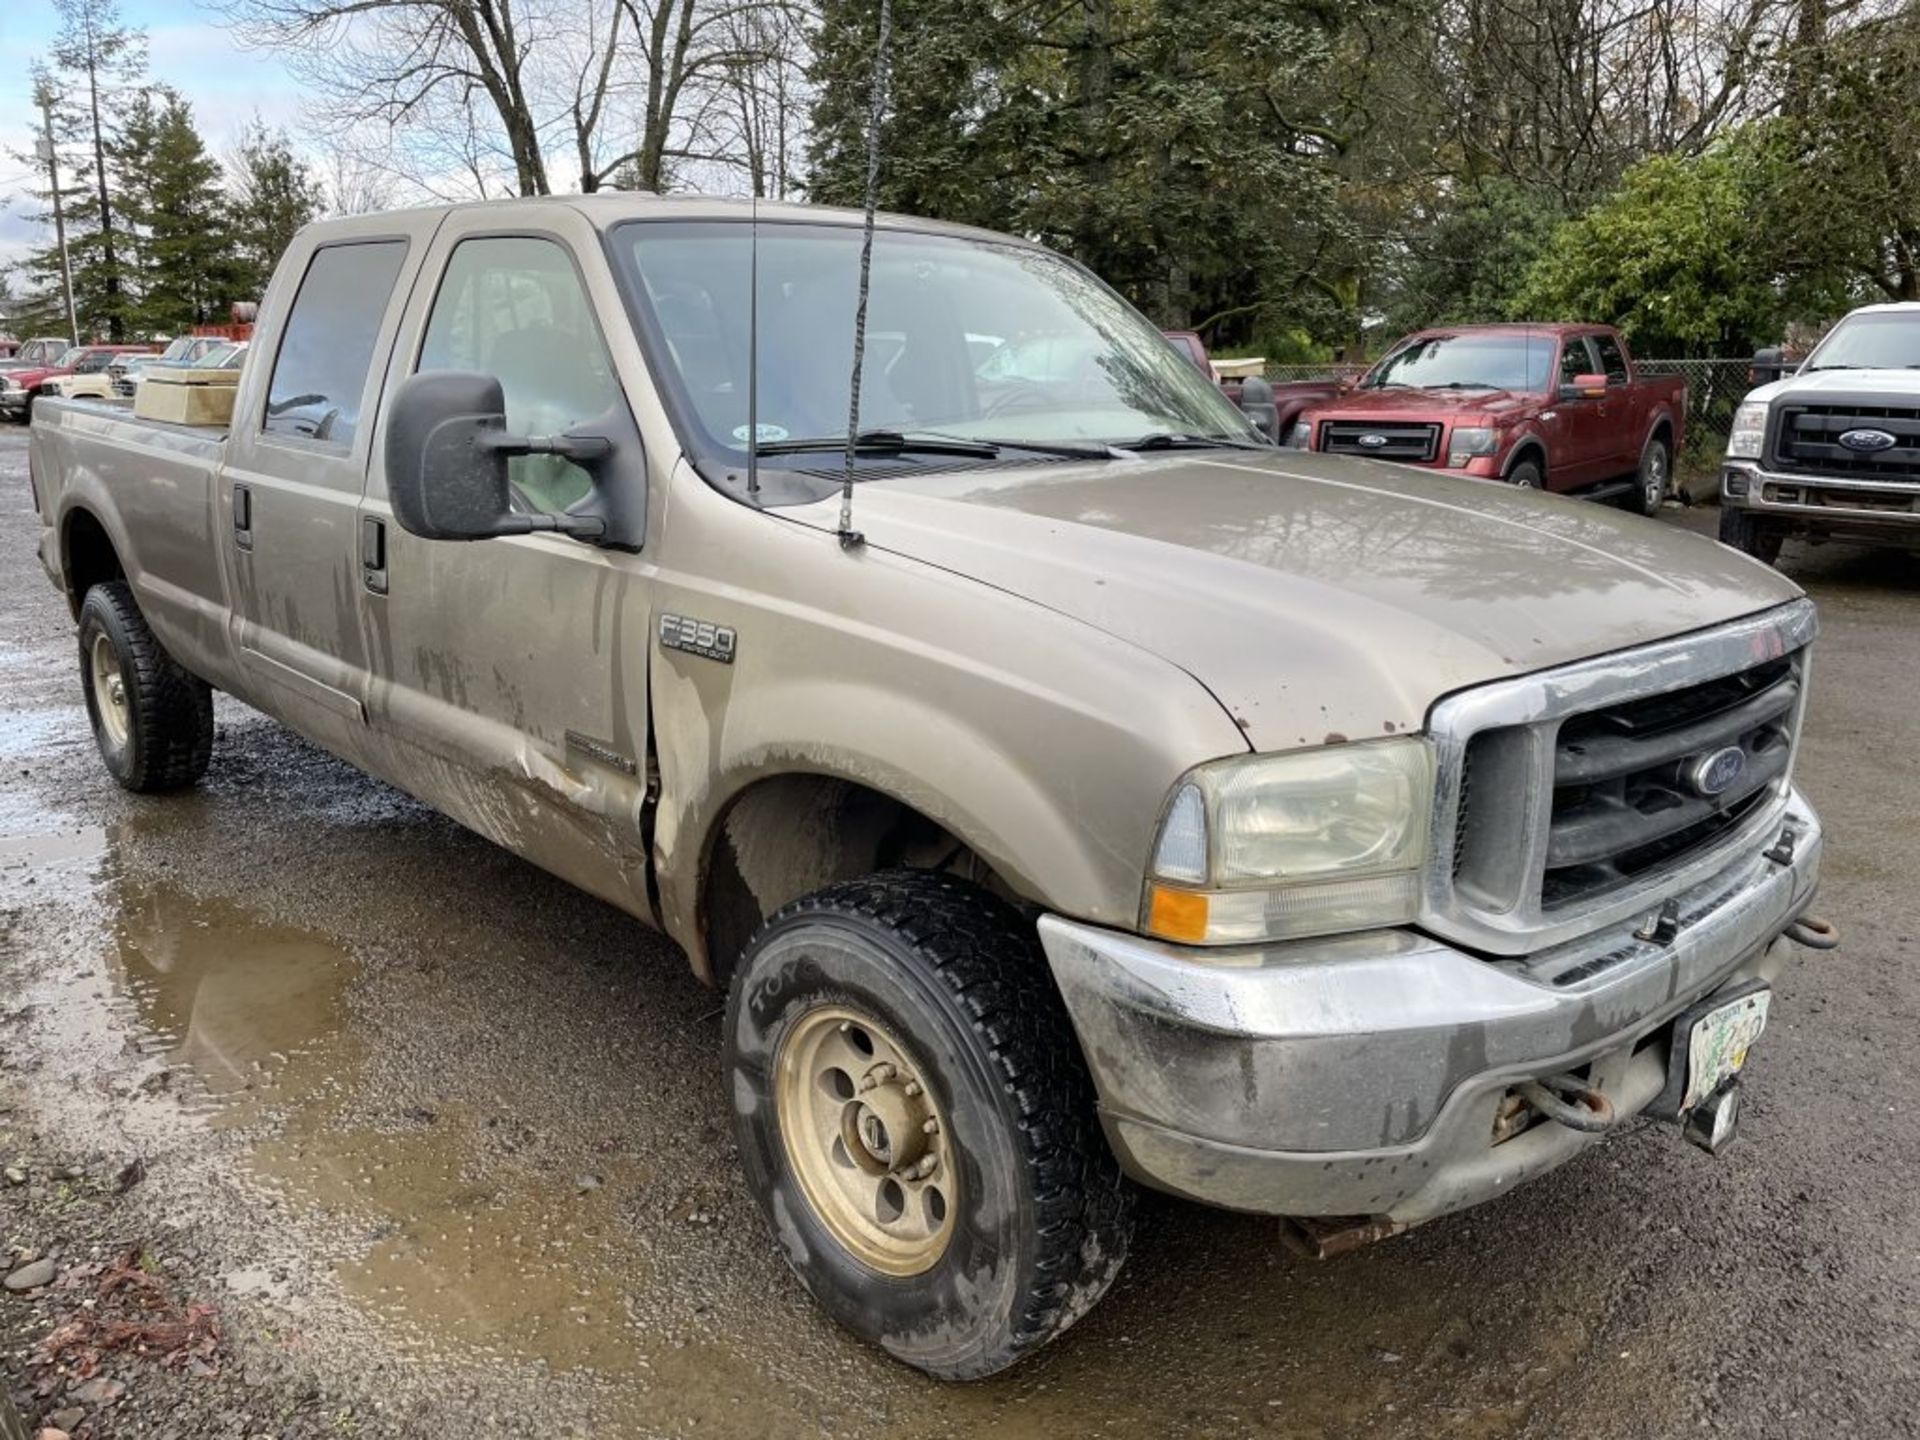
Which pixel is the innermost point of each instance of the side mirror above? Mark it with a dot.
(1584, 387)
(447, 449)
(1768, 365)
(1256, 403)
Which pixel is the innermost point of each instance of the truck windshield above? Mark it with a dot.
(1876, 340)
(969, 339)
(1467, 362)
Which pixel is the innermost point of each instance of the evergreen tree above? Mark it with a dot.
(273, 194)
(171, 194)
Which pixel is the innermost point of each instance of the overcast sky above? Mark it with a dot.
(189, 48)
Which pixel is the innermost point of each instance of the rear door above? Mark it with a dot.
(510, 675)
(287, 502)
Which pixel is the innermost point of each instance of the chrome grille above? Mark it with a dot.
(1627, 793)
(1393, 442)
(1590, 799)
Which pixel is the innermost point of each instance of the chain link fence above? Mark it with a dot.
(1714, 388)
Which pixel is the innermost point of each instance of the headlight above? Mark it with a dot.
(1312, 842)
(1466, 443)
(1749, 434)
(1300, 437)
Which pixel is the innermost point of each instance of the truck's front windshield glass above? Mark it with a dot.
(1467, 362)
(965, 338)
(1877, 340)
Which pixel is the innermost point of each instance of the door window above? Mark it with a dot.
(320, 374)
(1575, 360)
(513, 307)
(1611, 360)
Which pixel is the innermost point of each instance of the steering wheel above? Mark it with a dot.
(1017, 396)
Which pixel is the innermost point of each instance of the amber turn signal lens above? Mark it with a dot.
(1177, 914)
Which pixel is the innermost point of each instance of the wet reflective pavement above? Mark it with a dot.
(441, 1132)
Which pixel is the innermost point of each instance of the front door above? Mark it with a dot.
(1617, 445)
(509, 676)
(1571, 463)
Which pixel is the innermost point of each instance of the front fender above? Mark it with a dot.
(1045, 745)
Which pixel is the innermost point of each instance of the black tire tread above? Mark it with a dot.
(172, 709)
(989, 957)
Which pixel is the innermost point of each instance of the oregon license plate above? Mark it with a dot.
(1718, 1044)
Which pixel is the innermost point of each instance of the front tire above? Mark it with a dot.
(916, 1121)
(1746, 532)
(1653, 477)
(152, 720)
(1527, 474)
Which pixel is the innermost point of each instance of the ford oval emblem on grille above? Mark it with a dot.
(1374, 442)
(1868, 442)
(1715, 773)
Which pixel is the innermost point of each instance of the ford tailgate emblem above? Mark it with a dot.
(1374, 442)
(1868, 442)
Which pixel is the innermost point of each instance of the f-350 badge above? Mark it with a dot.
(697, 637)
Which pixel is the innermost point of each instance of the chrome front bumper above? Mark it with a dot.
(1361, 1075)
(1825, 497)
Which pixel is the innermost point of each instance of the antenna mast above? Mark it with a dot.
(753, 352)
(850, 538)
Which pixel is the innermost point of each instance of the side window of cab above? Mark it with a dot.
(1613, 364)
(1575, 360)
(513, 307)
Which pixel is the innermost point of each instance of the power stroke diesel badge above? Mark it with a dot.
(697, 637)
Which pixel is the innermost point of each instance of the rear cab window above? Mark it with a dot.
(326, 351)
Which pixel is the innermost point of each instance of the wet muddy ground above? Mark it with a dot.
(404, 1137)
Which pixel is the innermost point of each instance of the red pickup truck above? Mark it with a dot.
(1552, 407)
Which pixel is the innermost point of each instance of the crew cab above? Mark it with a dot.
(1544, 407)
(21, 388)
(1068, 788)
(1831, 451)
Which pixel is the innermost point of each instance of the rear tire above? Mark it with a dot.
(1746, 532)
(937, 975)
(1653, 477)
(1527, 474)
(152, 721)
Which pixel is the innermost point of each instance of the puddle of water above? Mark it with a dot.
(494, 1261)
(35, 852)
(239, 1010)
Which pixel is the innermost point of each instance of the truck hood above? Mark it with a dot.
(1419, 404)
(1901, 386)
(1319, 598)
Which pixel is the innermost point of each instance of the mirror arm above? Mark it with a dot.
(580, 449)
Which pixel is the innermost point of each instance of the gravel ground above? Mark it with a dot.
(331, 1119)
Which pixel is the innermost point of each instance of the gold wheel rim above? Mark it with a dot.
(109, 690)
(867, 1140)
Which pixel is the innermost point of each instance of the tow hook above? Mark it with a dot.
(1570, 1101)
(1814, 932)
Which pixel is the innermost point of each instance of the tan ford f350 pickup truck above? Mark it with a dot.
(1117, 798)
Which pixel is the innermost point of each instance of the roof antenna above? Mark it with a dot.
(851, 538)
(753, 352)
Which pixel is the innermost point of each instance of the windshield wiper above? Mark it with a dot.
(1169, 440)
(885, 442)
(1464, 385)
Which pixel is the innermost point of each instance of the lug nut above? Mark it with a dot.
(912, 1088)
(929, 1126)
